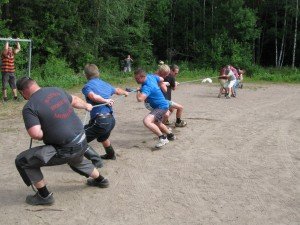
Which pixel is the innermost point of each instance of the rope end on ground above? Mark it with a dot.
(206, 80)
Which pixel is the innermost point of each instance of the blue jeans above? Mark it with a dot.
(236, 86)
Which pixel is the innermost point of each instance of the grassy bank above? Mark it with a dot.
(56, 72)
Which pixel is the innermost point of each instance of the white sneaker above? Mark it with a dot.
(161, 142)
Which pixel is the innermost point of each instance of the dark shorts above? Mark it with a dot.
(99, 128)
(8, 78)
(158, 114)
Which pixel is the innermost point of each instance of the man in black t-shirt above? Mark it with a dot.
(49, 116)
(171, 86)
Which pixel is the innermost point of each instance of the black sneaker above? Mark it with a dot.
(16, 98)
(39, 200)
(102, 184)
(181, 124)
(5, 99)
(107, 157)
(171, 137)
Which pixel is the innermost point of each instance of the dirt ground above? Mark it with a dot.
(237, 162)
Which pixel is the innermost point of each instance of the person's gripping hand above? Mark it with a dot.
(89, 107)
(110, 102)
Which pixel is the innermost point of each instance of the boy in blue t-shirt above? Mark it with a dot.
(99, 92)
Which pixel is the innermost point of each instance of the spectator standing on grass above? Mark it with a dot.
(8, 69)
(127, 64)
(49, 117)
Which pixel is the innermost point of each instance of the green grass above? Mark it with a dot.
(57, 73)
(274, 75)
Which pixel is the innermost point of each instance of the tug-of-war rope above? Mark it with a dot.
(132, 90)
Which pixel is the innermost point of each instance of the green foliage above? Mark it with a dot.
(203, 33)
(241, 55)
(56, 72)
(283, 75)
(197, 74)
(219, 54)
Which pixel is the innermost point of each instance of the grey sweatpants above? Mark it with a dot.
(29, 162)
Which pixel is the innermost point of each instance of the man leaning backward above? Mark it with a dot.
(49, 116)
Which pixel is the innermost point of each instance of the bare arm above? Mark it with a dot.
(16, 50)
(162, 85)
(140, 97)
(36, 132)
(78, 103)
(6, 46)
(97, 98)
(120, 91)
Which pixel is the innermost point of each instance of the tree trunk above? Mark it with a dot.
(212, 15)
(194, 28)
(186, 45)
(295, 35)
(171, 39)
(276, 41)
(204, 3)
(280, 59)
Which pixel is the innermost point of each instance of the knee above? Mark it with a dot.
(20, 161)
(146, 122)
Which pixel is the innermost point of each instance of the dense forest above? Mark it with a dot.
(205, 33)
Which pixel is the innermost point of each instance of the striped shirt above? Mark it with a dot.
(8, 62)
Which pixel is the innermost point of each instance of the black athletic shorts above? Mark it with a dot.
(99, 128)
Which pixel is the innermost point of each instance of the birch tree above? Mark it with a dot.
(295, 34)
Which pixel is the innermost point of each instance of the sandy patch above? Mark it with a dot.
(237, 162)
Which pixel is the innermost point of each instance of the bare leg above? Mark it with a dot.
(167, 116)
(95, 174)
(163, 128)
(15, 92)
(149, 123)
(40, 184)
(106, 143)
(179, 109)
(4, 93)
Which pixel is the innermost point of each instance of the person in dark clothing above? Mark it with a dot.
(49, 116)
(169, 75)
